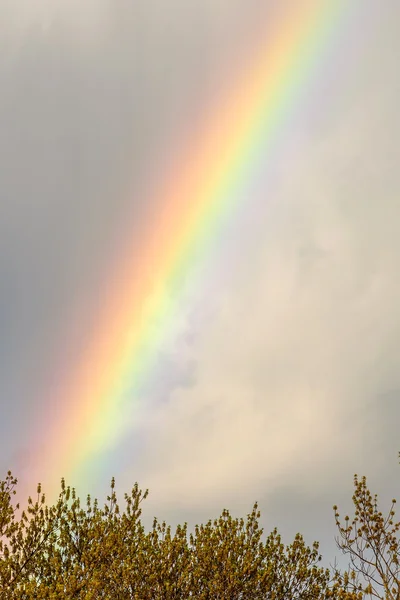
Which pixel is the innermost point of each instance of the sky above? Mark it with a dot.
(282, 380)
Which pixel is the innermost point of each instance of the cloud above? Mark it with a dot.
(93, 94)
(87, 22)
(289, 378)
(284, 380)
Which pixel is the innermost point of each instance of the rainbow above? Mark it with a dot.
(193, 205)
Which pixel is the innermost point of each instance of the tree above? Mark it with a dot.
(92, 553)
(371, 541)
(21, 542)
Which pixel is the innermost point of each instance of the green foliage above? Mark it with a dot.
(92, 553)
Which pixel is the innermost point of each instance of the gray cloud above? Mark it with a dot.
(285, 381)
(296, 382)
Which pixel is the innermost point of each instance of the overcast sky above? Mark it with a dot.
(288, 382)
